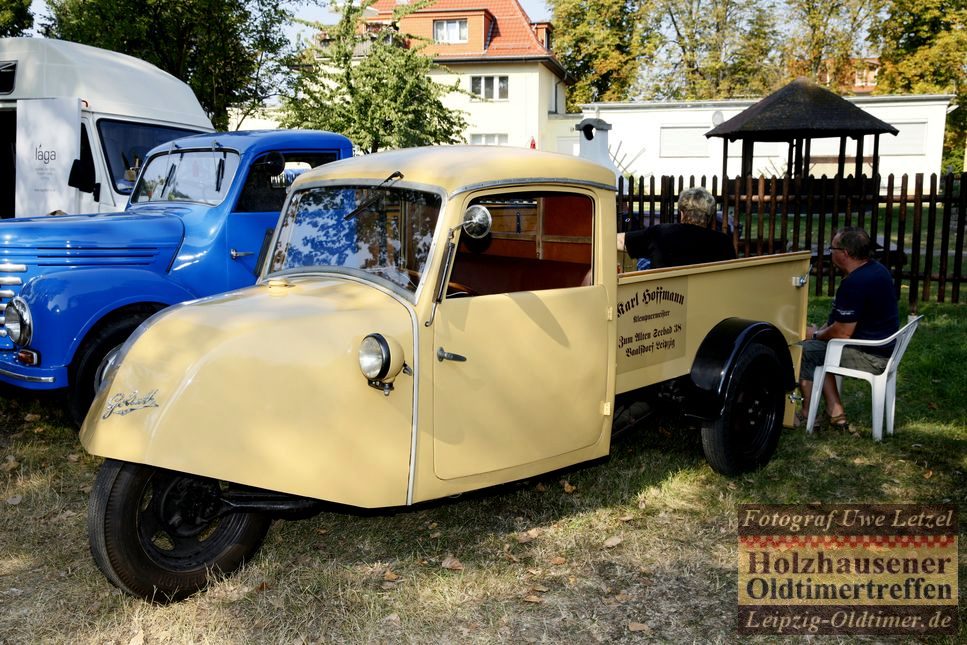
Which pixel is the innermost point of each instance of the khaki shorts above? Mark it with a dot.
(814, 354)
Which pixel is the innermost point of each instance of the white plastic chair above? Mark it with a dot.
(883, 385)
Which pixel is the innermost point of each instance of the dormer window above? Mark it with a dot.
(450, 31)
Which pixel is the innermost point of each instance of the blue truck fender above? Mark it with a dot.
(74, 302)
(715, 360)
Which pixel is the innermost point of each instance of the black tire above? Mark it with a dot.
(89, 359)
(745, 437)
(150, 535)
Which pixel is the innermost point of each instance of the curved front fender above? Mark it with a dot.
(67, 304)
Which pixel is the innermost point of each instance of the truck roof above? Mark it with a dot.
(258, 141)
(455, 168)
(110, 83)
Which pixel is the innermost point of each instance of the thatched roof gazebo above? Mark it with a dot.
(798, 113)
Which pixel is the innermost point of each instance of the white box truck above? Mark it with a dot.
(76, 122)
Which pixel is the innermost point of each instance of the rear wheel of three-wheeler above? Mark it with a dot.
(746, 435)
(158, 534)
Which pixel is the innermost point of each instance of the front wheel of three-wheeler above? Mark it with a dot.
(159, 534)
(745, 436)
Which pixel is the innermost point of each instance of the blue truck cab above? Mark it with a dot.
(74, 287)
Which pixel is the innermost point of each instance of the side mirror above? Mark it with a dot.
(477, 221)
(274, 162)
(82, 175)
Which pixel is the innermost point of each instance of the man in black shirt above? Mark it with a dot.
(690, 242)
(864, 308)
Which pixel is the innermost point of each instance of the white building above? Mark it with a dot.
(668, 138)
(503, 62)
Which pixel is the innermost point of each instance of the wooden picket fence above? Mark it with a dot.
(918, 225)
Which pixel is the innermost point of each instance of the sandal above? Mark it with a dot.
(798, 420)
(838, 422)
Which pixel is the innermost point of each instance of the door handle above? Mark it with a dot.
(240, 254)
(443, 355)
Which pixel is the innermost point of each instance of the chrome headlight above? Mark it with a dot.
(18, 322)
(380, 359)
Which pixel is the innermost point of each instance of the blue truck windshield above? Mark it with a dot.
(382, 233)
(202, 176)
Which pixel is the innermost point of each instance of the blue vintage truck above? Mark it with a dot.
(73, 288)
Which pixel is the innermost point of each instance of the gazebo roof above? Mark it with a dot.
(800, 110)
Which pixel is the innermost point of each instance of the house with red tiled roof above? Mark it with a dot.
(513, 83)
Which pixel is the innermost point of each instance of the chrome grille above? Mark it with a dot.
(7, 294)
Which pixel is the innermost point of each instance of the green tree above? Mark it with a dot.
(923, 50)
(372, 85)
(15, 18)
(826, 38)
(231, 52)
(600, 43)
(714, 49)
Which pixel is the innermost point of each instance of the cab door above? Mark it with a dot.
(520, 366)
(256, 212)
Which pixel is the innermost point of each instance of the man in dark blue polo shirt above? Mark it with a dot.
(865, 308)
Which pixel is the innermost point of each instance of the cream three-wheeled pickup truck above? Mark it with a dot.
(427, 322)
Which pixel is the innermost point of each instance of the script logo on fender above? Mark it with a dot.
(122, 404)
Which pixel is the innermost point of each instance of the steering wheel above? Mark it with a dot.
(454, 288)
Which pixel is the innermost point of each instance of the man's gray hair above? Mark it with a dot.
(696, 206)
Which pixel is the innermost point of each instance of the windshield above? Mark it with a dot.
(126, 144)
(202, 176)
(382, 233)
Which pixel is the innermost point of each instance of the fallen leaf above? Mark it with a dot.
(451, 563)
(511, 557)
(622, 597)
(432, 525)
(73, 457)
(641, 504)
(557, 560)
(612, 542)
(933, 406)
(392, 619)
(435, 535)
(533, 598)
(638, 627)
(568, 488)
(388, 586)
(928, 474)
(9, 464)
(322, 531)
(540, 589)
(526, 536)
(263, 586)
(13, 501)
(389, 576)
(540, 488)
(137, 639)
(30, 418)
(87, 489)
(534, 572)
(626, 518)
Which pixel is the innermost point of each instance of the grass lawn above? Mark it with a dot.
(639, 548)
